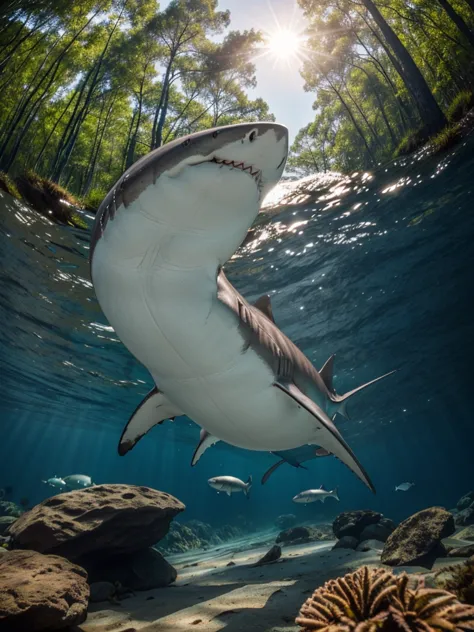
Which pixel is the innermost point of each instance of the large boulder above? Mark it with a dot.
(465, 534)
(105, 519)
(370, 545)
(352, 523)
(417, 540)
(462, 551)
(142, 570)
(378, 531)
(41, 592)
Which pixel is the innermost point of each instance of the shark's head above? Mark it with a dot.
(300, 498)
(207, 186)
(213, 482)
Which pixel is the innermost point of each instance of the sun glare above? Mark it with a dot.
(284, 44)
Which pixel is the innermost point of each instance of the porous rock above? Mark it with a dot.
(354, 522)
(346, 542)
(41, 592)
(417, 540)
(110, 519)
(142, 570)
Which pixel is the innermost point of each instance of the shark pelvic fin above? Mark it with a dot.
(264, 304)
(342, 410)
(206, 440)
(333, 438)
(342, 398)
(270, 471)
(327, 372)
(153, 410)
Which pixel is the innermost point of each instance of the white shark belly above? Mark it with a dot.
(170, 319)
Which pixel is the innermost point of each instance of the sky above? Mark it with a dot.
(279, 82)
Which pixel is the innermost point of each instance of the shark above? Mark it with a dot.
(313, 495)
(158, 247)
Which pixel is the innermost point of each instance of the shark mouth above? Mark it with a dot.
(255, 174)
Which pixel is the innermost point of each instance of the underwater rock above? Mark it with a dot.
(41, 592)
(378, 531)
(462, 551)
(101, 591)
(270, 556)
(10, 509)
(465, 517)
(346, 542)
(196, 535)
(370, 545)
(5, 522)
(110, 519)
(465, 501)
(286, 521)
(465, 534)
(417, 540)
(302, 535)
(142, 570)
(354, 522)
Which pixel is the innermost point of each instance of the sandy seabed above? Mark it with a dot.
(210, 595)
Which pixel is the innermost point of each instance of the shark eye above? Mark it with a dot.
(215, 134)
(186, 142)
(253, 135)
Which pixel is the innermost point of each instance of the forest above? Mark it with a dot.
(87, 88)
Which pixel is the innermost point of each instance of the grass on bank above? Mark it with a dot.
(46, 197)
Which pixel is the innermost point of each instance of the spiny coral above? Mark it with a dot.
(343, 603)
(375, 600)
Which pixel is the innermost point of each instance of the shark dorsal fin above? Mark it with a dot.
(321, 487)
(264, 304)
(326, 373)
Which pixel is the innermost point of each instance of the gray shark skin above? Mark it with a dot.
(159, 244)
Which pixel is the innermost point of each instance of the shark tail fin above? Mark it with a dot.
(341, 399)
(270, 471)
(46, 482)
(248, 486)
(335, 493)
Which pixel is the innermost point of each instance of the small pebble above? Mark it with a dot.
(196, 621)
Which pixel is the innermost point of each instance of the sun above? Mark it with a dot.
(284, 44)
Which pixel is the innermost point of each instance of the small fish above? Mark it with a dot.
(404, 487)
(230, 484)
(78, 481)
(56, 482)
(312, 495)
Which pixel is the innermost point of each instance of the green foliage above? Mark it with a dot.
(8, 185)
(448, 137)
(379, 70)
(90, 87)
(460, 106)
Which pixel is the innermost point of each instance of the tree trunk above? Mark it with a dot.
(431, 114)
(470, 3)
(458, 21)
(48, 138)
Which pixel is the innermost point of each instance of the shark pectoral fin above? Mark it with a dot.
(264, 304)
(153, 410)
(326, 373)
(334, 441)
(206, 440)
(229, 493)
(270, 471)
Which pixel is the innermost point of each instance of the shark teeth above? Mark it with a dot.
(255, 173)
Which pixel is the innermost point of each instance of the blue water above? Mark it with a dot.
(381, 275)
